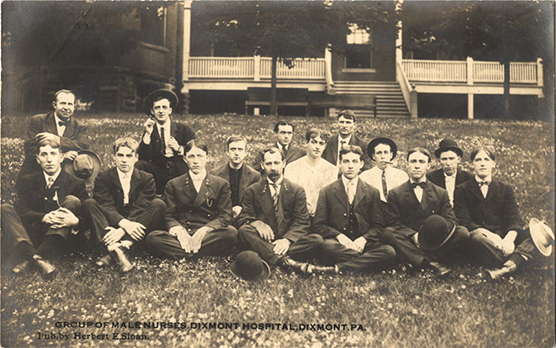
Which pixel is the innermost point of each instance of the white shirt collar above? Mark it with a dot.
(55, 176)
(340, 139)
(123, 175)
(353, 181)
(277, 183)
(488, 178)
(280, 146)
(423, 179)
(198, 177)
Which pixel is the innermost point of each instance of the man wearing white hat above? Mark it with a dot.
(488, 208)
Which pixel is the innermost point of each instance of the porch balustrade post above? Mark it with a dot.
(540, 76)
(257, 68)
(469, 71)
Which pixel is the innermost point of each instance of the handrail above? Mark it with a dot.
(404, 85)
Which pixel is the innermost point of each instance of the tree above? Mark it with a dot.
(491, 30)
(284, 30)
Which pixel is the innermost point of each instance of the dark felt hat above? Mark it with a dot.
(448, 145)
(86, 165)
(164, 93)
(249, 266)
(376, 141)
(435, 232)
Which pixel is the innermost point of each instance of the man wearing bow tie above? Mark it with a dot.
(284, 135)
(60, 125)
(488, 208)
(124, 209)
(198, 212)
(162, 144)
(346, 124)
(349, 217)
(46, 213)
(274, 220)
(409, 205)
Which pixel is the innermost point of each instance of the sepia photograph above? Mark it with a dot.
(243, 173)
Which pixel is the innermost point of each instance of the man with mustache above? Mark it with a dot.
(284, 135)
(409, 207)
(274, 220)
(198, 212)
(238, 173)
(59, 125)
(47, 212)
(124, 209)
(383, 176)
(449, 175)
(312, 172)
(162, 144)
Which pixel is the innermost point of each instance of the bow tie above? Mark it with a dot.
(422, 184)
(64, 123)
(482, 183)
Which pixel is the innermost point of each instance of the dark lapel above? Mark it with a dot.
(493, 189)
(265, 201)
(70, 128)
(476, 190)
(41, 183)
(135, 180)
(174, 129)
(442, 178)
(334, 148)
(205, 193)
(50, 124)
(428, 196)
(340, 193)
(409, 196)
(243, 180)
(359, 194)
(115, 178)
(188, 188)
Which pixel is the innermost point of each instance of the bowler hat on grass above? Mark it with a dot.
(542, 236)
(86, 165)
(163, 93)
(376, 141)
(249, 266)
(448, 145)
(435, 232)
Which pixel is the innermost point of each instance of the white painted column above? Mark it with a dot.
(257, 68)
(186, 43)
(540, 76)
(470, 96)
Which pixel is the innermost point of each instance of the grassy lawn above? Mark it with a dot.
(391, 309)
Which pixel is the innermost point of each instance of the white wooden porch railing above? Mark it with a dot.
(470, 71)
(254, 68)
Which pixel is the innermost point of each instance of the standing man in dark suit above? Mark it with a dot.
(46, 213)
(346, 136)
(238, 173)
(488, 208)
(284, 135)
(162, 144)
(124, 208)
(349, 217)
(198, 212)
(60, 125)
(274, 220)
(409, 205)
(449, 175)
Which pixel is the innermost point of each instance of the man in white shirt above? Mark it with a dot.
(124, 209)
(198, 212)
(383, 176)
(312, 172)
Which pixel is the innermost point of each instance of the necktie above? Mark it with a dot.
(384, 186)
(483, 185)
(415, 184)
(163, 140)
(350, 192)
(49, 182)
(64, 122)
(125, 187)
(283, 150)
(275, 197)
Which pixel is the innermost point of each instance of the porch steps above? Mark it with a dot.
(390, 102)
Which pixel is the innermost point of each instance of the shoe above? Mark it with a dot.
(21, 267)
(296, 266)
(508, 268)
(120, 255)
(315, 269)
(439, 268)
(104, 261)
(47, 269)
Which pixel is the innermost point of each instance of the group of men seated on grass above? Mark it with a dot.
(322, 209)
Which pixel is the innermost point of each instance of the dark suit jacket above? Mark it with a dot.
(292, 154)
(404, 210)
(35, 200)
(153, 152)
(249, 176)
(437, 177)
(292, 219)
(109, 194)
(74, 139)
(498, 212)
(330, 152)
(211, 207)
(332, 214)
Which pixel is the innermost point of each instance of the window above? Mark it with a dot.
(359, 50)
(153, 25)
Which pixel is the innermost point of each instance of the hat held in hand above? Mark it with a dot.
(542, 236)
(86, 165)
(249, 266)
(435, 232)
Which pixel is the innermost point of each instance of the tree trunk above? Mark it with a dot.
(273, 106)
(507, 90)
